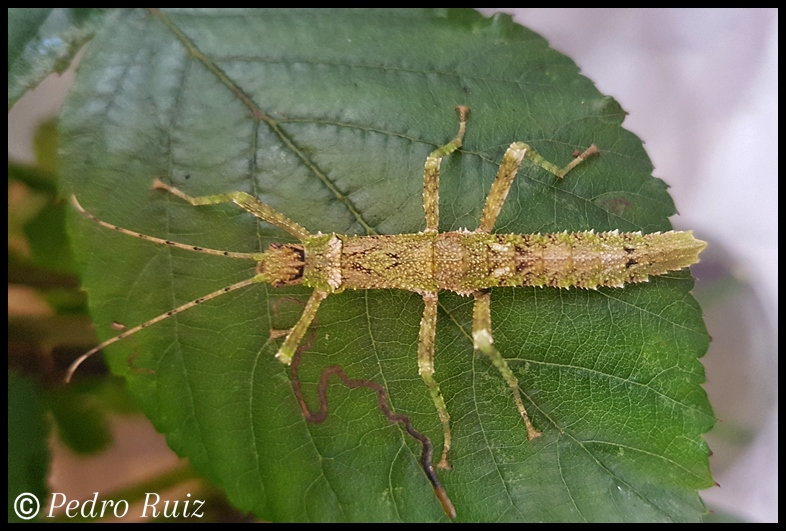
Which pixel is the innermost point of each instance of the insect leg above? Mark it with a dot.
(535, 157)
(501, 186)
(484, 342)
(428, 332)
(431, 172)
(507, 172)
(289, 346)
(243, 200)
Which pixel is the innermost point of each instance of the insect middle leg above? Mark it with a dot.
(426, 340)
(428, 325)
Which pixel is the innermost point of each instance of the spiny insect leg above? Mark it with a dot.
(426, 339)
(535, 157)
(501, 186)
(290, 344)
(431, 172)
(484, 342)
(243, 200)
(508, 169)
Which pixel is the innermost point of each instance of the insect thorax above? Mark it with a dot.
(466, 261)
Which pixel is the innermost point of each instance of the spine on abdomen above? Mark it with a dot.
(577, 259)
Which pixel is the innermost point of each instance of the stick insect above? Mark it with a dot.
(469, 263)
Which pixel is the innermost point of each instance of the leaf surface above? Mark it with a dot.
(42, 41)
(328, 117)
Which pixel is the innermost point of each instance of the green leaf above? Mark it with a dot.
(42, 41)
(81, 421)
(328, 117)
(28, 453)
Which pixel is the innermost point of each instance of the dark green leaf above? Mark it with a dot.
(81, 420)
(47, 236)
(328, 117)
(42, 41)
(28, 453)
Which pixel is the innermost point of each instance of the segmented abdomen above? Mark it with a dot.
(578, 259)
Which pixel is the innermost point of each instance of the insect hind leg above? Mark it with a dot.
(508, 169)
(484, 342)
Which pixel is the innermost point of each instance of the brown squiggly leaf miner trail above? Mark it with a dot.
(469, 263)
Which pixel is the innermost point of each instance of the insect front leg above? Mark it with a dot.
(484, 342)
(296, 333)
(245, 201)
(426, 340)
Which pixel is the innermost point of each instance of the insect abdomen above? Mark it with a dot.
(578, 259)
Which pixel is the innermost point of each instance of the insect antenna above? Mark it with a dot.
(170, 243)
(259, 257)
(75, 365)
